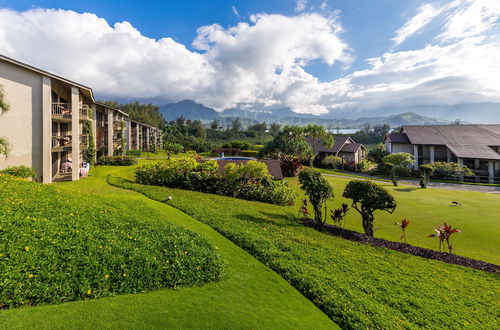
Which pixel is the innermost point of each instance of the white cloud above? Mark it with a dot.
(259, 61)
(300, 5)
(426, 14)
(235, 12)
(471, 18)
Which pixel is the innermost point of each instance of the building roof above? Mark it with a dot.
(465, 141)
(338, 143)
(397, 138)
(351, 147)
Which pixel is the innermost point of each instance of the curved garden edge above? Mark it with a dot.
(406, 248)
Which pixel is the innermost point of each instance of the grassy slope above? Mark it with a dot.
(426, 208)
(249, 295)
(357, 285)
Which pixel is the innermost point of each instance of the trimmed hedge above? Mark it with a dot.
(59, 246)
(134, 153)
(117, 160)
(20, 171)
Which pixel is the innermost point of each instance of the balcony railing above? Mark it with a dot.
(85, 112)
(117, 125)
(61, 141)
(61, 109)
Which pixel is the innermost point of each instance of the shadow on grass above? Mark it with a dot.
(408, 189)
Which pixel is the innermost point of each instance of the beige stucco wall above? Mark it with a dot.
(22, 124)
(402, 147)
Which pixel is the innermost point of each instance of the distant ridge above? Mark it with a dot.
(194, 111)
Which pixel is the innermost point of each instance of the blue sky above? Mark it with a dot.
(314, 56)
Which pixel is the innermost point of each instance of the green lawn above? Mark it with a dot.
(426, 208)
(358, 286)
(249, 295)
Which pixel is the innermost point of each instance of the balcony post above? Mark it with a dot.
(46, 130)
(75, 132)
(491, 171)
(431, 150)
(94, 127)
(129, 135)
(415, 155)
(110, 131)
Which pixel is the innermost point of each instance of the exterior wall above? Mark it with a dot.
(400, 147)
(22, 124)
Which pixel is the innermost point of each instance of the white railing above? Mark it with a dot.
(62, 109)
(61, 141)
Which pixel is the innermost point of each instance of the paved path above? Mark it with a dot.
(436, 185)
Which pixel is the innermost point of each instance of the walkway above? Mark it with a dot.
(436, 185)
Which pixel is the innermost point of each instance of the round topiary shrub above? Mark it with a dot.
(57, 246)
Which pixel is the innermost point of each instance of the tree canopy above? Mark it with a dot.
(145, 113)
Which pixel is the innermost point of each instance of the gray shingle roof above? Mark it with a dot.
(465, 141)
(351, 147)
(338, 143)
(397, 138)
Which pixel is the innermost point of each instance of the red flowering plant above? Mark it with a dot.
(444, 232)
(403, 224)
(303, 210)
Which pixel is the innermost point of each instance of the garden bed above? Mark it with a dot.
(406, 248)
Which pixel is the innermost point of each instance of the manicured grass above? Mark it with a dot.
(358, 286)
(427, 208)
(58, 246)
(249, 295)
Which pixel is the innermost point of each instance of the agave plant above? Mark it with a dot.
(403, 225)
(444, 232)
(303, 210)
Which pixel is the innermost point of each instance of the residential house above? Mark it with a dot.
(474, 146)
(48, 119)
(343, 146)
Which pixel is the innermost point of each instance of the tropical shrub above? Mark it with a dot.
(443, 233)
(332, 161)
(249, 153)
(338, 215)
(117, 160)
(290, 165)
(451, 171)
(58, 246)
(304, 209)
(367, 197)
(250, 180)
(242, 145)
(318, 190)
(22, 171)
(398, 160)
(425, 174)
(172, 148)
(403, 225)
(365, 165)
(134, 153)
(377, 154)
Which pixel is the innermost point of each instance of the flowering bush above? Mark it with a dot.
(57, 246)
(250, 180)
(117, 160)
(20, 171)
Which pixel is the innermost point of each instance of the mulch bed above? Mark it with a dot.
(406, 248)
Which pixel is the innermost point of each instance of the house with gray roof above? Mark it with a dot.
(474, 146)
(343, 146)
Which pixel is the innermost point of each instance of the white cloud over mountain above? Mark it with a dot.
(265, 61)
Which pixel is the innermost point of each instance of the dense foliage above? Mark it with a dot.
(378, 153)
(250, 180)
(367, 197)
(117, 160)
(365, 165)
(290, 141)
(396, 161)
(357, 286)
(134, 153)
(290, 165)
(451, 171)
(318, 190)
(4, 107)
(333, 161)
(57, 246)
(143, 113)
(369, 134)
(89, 154)
(20, 171)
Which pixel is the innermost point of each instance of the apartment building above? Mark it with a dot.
(51, 120)
(474, 146)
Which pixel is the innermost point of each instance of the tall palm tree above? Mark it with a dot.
(4, 107)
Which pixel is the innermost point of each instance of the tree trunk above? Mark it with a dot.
(368, 224)
(317, 216)
(394, 177)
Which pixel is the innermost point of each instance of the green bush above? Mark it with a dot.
(451, 171)
(20, 171)
(134, 153)
(58, 246)
(365, 165)
(250, 180)
(117, 160)
(333, 161)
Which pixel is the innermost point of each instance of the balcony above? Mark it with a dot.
(61, 142)
(84, 141)
(61, 111)
(85, 112)
(117, 125)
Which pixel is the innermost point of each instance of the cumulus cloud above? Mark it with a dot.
(264, 61)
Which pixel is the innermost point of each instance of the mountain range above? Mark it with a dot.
(424, 115)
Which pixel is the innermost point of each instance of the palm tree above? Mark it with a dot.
(4, 107)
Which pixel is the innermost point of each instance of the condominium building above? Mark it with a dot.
(52, 119)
